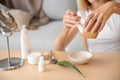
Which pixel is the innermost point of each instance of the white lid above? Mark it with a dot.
(34, 54)
(33, 58)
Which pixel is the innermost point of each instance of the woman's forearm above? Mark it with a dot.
(61, 40)
(117, 7)
(64, 38)
(71, 34)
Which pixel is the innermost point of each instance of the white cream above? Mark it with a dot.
(33, 58)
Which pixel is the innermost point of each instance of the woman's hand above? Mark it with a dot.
(97, 19)
(71, 19)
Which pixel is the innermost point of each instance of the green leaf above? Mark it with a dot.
(69, 64)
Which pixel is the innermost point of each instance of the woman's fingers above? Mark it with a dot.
(69, 25)
(102, 24)
(70, 12)
(90, 24)
(88, 19)
(97, 24)
(94, 23)
(75, 18)
(71, 15)
(71, 19)
(97, 19)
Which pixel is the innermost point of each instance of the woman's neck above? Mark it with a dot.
(94, 6)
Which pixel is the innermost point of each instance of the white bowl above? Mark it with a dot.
(33, 57)
(81, 57)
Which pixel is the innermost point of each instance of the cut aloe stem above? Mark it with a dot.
(69, 64)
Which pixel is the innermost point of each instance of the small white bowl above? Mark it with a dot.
(81, 57)
(33, 58)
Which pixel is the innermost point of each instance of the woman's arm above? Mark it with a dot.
(69, 30)
(97, 19)
(116, 7)
(64, 38)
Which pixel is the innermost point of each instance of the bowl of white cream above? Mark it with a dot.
(80, 57)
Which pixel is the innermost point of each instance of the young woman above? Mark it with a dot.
(108, 39)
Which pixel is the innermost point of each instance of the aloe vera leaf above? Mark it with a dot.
(68, 64)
